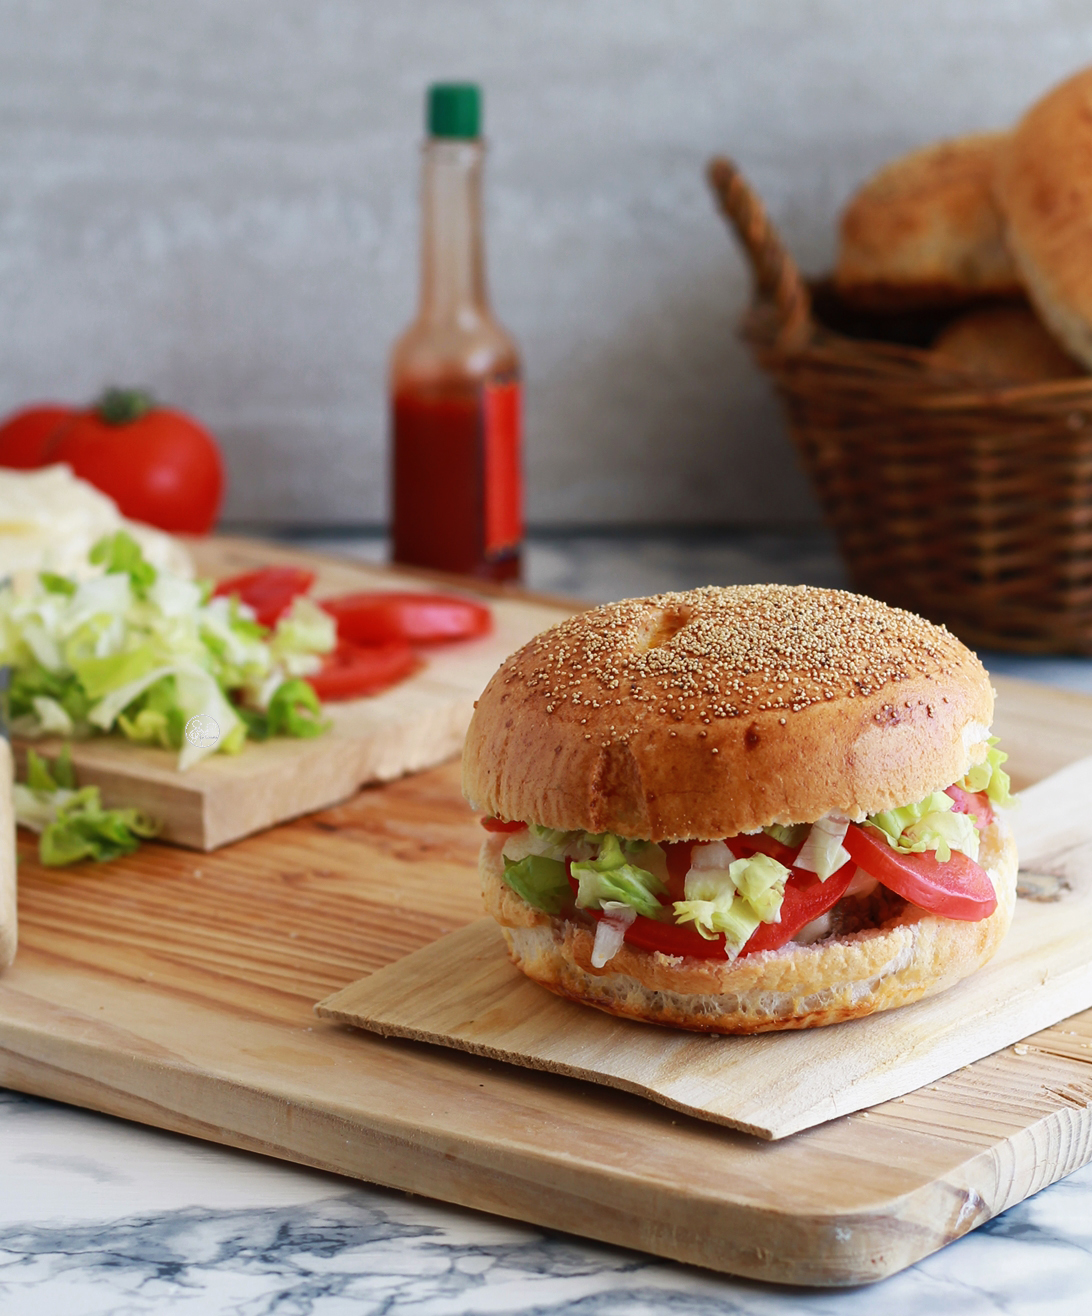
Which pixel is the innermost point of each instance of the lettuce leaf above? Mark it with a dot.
(302, 634)
(120, 553)
(294, 710)
(991, 777)
(100, 676)
(141, 652)
(57, 584)
(791, 834)
(928, 825)
(610, 876)
(733, 901)
(72, 824)
(540, 881)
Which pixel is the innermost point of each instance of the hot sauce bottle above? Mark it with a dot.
(455, 374)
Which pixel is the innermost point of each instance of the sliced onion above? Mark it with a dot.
(861, 884)
(816, 930)
(711, 854)
(610, 931)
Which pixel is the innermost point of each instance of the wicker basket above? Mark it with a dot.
(970, 505)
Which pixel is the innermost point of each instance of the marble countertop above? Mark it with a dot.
(100, 1217)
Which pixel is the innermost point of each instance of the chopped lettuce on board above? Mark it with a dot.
(71, 823)
(139, 651)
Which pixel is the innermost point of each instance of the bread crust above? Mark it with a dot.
(712, 712)
(1044, 189)
(913, 955)
(926, 230)
(1006, 344)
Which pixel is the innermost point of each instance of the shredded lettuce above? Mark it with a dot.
(610, 876)
(548, 841)
(791, 834)
(928, 825)
(294, 710)
(139, 651)
(733, 901)
(540, 881)
(120, 553)
(72, 824)
(822, 852)
(991, 777)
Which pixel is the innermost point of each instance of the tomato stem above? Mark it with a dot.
(123, 406)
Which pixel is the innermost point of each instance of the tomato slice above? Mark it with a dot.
(269, 590)
(759, 843)
(499, 825)
(351, 671)
(672, 938)
(384, 618)
(678, 865)
(977, 804)
(806, 898)
(958, 889)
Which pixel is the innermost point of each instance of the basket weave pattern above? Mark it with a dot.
(971, 505)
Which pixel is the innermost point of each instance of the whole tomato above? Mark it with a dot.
(25, 435)
(158, 465)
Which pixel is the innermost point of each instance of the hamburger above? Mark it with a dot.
(742, 809)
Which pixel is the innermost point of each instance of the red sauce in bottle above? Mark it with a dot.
(457, 493)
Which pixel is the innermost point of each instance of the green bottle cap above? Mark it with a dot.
(454, 109)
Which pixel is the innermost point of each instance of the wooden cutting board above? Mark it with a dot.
(415, 724)
(176, 989)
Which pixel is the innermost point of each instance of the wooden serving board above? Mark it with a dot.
(415, 724)
(177, 989)
(462, 991)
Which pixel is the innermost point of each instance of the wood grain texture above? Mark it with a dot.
(417, 723)
(9, 923)
(176, 989)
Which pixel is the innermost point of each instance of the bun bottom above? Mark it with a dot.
(913, 955)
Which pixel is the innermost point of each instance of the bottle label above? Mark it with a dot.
(503, 473)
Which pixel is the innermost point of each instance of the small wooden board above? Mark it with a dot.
(176, 989)
(463, 992)
(417, 723)
(9, 922)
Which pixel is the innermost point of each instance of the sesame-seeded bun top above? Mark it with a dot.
(716, 711)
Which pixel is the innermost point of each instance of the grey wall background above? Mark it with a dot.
(218, 198)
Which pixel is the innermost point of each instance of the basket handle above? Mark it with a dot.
(775, 271)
